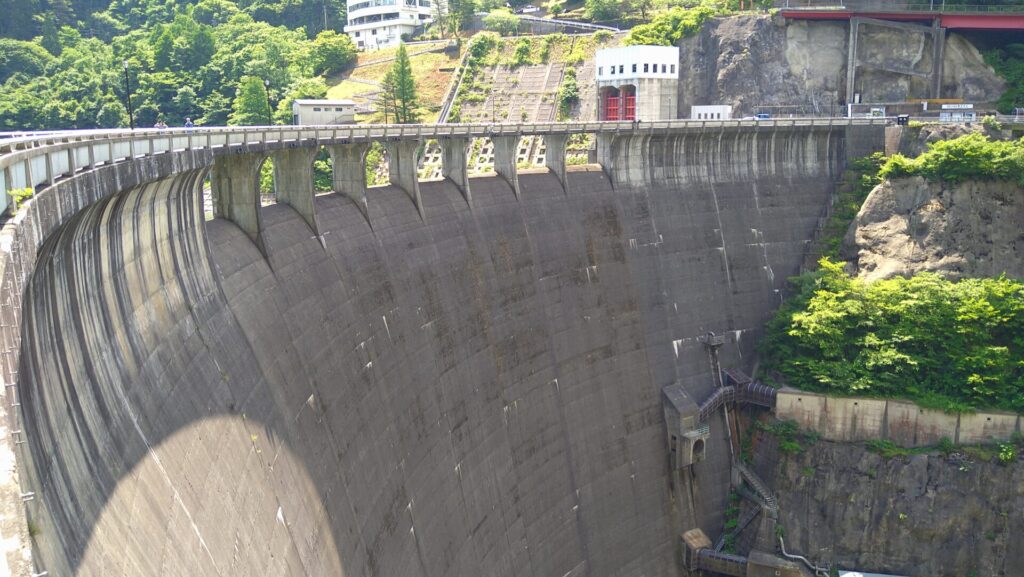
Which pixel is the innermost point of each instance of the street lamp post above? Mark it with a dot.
(128, 92)
(270, 110)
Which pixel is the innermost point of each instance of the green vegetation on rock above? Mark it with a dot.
(949, 345)
(667, 28)
(683, 19)
(568, 94)
(972, 156)
(861, 178)
(790, 436)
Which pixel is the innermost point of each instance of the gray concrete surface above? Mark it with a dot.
(451, 392)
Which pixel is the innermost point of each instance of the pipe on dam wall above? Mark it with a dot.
(468, 390)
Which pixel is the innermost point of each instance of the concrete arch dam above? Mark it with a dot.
(429, 384)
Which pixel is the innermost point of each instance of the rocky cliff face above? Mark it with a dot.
(921, 515)
(910, 225)
(800, 67)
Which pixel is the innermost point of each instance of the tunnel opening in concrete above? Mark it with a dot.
(471, 387)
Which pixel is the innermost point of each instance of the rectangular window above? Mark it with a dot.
(357, 34)
(612, 70)
(647, 67)
(673, 69)
(600, 70)
(654, 68)
(339, 109)
(316, 109)
(634, 68)
(622, 69)
(663, 69)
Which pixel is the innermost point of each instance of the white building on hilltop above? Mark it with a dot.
(375, 24)
(638, 83)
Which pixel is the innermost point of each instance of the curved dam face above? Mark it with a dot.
(473, 392)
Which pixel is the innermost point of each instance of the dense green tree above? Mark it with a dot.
(460, 13)
(200, 48)
(1009, 63)
(604, 10)
(502, 21)
(187, 58)
(20, 57)
(50, 38)
(19, 19)
(163, 51)
(251, 107)
(950, 345)
(214, 12)
(112, 115)
(61, 12)
(314, 16)
(332, 52)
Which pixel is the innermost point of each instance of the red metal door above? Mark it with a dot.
(630, 108)
(611, 108)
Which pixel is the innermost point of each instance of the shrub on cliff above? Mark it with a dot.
(668, 27)
(972, 156)
(950, 345)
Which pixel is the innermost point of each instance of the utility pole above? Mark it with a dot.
(128, 93)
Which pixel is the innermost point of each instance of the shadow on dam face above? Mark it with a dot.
(476, 392)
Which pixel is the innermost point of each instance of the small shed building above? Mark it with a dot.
(317, 112)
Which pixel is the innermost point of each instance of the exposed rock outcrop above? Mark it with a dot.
(752, 61)
(919, 515)
(909, 225)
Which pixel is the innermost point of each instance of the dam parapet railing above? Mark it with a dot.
(849, 419)
(30, 160)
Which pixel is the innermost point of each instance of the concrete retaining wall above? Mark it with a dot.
(904, 423)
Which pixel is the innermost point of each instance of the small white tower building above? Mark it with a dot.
(638, 83)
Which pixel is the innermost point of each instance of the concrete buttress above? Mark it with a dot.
(403, 166)
(293, 181)
(453, 165)
(350, 173)
(236, 192)
(554, 157)
(605, 142)
(505, 148)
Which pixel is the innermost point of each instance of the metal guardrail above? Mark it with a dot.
(749, 393)
(936, 6)
(31, 160)
(569, 23)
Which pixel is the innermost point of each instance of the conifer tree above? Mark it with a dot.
(404, 89)
(250, 107)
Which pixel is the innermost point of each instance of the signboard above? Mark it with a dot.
(957, 106)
